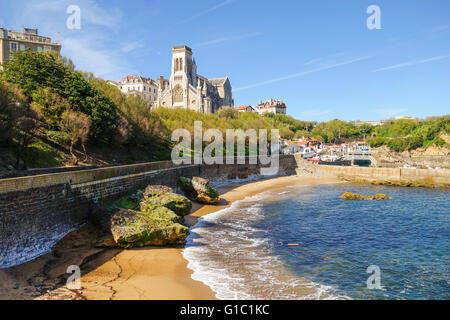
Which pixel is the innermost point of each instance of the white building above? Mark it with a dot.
(274, 106)
(245, 109)
(147, 88)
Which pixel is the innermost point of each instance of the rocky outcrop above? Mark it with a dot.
(198, 189)
(354, 196)
(156, 191)
(173, 201)
(157, 227)
(155, 220)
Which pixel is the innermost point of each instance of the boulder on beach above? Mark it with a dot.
(199, 190)
(173, 201)
(153, 220)
(355, 196)
(136, 229)
(154, 191)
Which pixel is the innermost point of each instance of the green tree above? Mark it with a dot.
(286, 133)
(51, 105)
(33, 70)
(335, 129)
(402, 127)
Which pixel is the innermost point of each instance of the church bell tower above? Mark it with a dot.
(182, 65)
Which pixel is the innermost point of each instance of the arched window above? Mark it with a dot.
(178, 94)
(181, 64)
(176, 64)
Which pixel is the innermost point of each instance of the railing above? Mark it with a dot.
(26, 37)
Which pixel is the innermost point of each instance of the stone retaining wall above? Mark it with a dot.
(37, 211)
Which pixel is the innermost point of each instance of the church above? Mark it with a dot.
(187, 89)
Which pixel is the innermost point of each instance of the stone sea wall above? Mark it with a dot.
(432, 177)
(37, 211)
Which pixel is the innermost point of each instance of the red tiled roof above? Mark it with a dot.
(242, 107)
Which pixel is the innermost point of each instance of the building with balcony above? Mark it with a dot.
(28, 39)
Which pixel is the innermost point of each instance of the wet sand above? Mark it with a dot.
(108, 274)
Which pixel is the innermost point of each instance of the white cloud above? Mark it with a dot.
(132, 46)
(226, 39)
(300, 74)
(91, 12)
(412, 63)
(93, 48)
(202, 13)
(104, 63)
(312, 61)
(319, 59)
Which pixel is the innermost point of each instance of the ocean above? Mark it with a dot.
(306, 243)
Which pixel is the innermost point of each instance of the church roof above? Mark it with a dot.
(218, 81)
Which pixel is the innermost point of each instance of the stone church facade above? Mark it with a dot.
(187, 89)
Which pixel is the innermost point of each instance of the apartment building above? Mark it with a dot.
(28, 39)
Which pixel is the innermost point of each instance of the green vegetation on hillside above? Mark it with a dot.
(51, 114)
(408, 134)
(45, 102)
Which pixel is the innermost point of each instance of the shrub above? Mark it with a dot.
(398, 145)
(376, 142)
(76, 125)
(414, 142)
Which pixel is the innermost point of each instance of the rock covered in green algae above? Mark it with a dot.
(355, 196)
(157, 227)
(154, 191)
(173, 201)
(198, 189)
(153, 221)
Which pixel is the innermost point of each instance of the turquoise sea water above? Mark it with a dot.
(243, 252)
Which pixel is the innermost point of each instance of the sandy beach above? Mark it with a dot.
(109, 274)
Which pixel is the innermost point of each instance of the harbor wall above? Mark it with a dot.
(435, 177)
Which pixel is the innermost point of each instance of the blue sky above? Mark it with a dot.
(318, 56)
